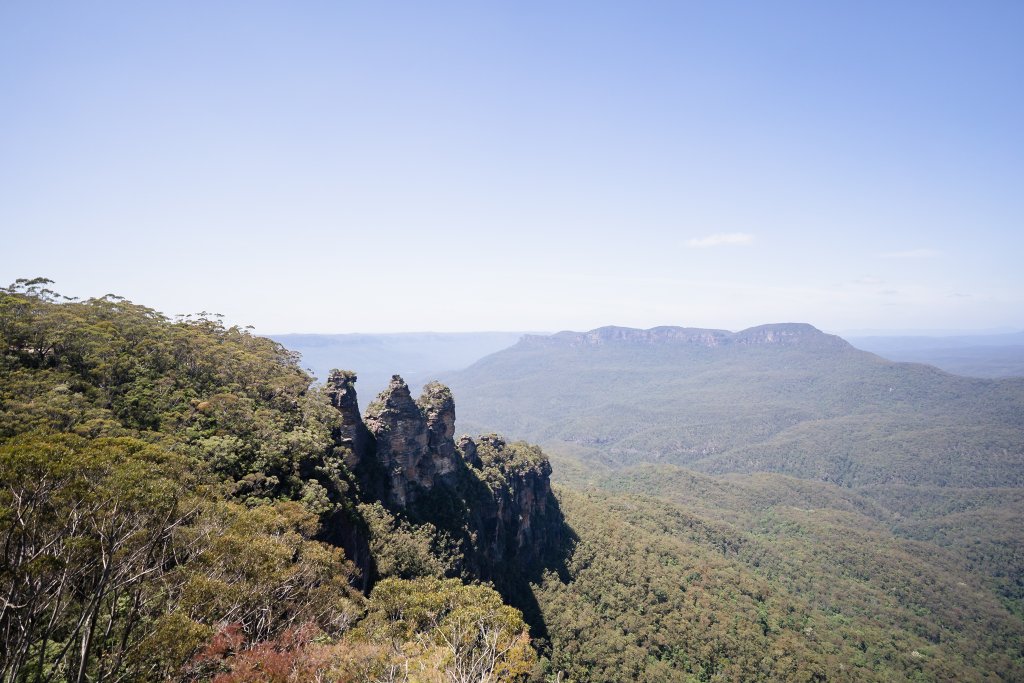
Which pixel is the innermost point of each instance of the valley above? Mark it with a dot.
(765, 505)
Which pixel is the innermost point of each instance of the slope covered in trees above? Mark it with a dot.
(782, 398)
(172, 501)
(885, 498)
(661, 590)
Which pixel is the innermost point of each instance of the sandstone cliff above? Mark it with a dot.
(519, 522)
(494, 498)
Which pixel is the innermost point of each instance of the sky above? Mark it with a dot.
(387, 166)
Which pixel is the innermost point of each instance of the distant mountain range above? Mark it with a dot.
(781, 398)
(990, 355)
(811, 439)
(422, 356)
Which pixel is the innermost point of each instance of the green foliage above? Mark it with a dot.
(114, 551)
(423, 631)
(110, 367)
(780, 592)
(504, 462)
(85, 524)
(163, 485)
(404, 550)
(477, 637)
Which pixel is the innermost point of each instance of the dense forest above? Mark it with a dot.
(170, 494)
(785, 398)
(886, 495)
(179, 501)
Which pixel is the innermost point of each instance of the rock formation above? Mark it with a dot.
(351, 433)
(414, 439)
(438, 408)
(467, 447)
(520, 522)
(494, 496)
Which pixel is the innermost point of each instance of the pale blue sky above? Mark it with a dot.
(336, 167)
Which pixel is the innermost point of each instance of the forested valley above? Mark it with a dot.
(180, 501)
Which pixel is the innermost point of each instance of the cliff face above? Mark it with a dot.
(493, 496)
(519, 521)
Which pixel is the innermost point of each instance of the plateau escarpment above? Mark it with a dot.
(785, 398)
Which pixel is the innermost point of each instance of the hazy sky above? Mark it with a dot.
(338, 167)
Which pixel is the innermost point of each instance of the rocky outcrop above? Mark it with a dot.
(400, 433)
(494, 497)
(468, 450)
(788, 334)
(438, 408)
(351, 433)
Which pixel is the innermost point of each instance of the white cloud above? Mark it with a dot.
(910, 254)
(728, 239)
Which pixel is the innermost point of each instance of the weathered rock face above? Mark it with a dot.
(494, 496)
(521, 522)
(351, 434)
(414, 439)
(467, 448)
(438, 409)
(400, 431)
(356, 445)
(789, 334)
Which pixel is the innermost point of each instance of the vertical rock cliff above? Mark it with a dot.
(492, 497)
(414, 440)
(351, 433)
(517, 520)
(438, 408)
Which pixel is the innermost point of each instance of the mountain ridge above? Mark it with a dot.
(781, 397)
(790, 333)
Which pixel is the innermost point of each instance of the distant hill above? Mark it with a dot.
(887, 495)
(992, 355)
(781, 398)
(417, 356)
